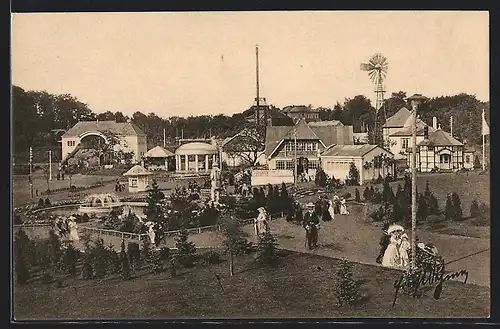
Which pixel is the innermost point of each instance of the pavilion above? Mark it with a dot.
(158, 158)
(138, 179)
(196, 156)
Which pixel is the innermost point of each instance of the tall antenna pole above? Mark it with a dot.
(50, 164)
(31, 172)
(295, 154)
(164, 137)
(257, 82)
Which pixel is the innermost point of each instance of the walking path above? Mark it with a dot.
(350, 237)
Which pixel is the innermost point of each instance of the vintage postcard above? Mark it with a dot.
(250, 165)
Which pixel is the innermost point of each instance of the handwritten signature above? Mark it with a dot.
(427, 276)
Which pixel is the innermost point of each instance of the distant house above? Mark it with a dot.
(336, 161)
(441, 151)
(138, 179)
(274, 116)
(397, 132)
(130, 137)
(243, 148)
(311, 140)
(301, 112)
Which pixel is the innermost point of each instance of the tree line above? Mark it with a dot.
(40, 118)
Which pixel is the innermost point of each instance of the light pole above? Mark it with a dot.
(414, 100)
(295, 153)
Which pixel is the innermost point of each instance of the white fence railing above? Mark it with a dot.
(272, 173)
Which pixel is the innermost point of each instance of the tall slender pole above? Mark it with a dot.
(295, 153)
(50, 164)
(31, 172)
(164, 137)
(484, 149)
(414, 185)
(257, 84)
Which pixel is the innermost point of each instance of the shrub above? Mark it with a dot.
(457, 206)
(474, 209)
(21, 257)
(164, 253)
(477, 164)
(124, 262)
(210, 257)
(346, 290)
(484, 215)
(146, 250)
(41, 203)
(17, 219)
(186, 250)
(267, 251)
(156, 262)
(70, 259)
(47, 202)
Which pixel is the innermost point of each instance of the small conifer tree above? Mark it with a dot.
(345, 288)
(357, 197)
(353, 177)
(267, 249)
(186, 250)
(474, 209)
(125, 264)
(457, 206)
(21, 245)
(448, 211)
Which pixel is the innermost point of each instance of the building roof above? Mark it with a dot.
(137, 170)
(398, 119)
(469, 149)
(325, 123)
(158, 152)
(298, 109)
(406, 131)
(440, 138)
(117, 128)
(350, 150)
(196, 148)
(326, 134)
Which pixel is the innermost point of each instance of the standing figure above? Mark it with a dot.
(392, 257)
(151, 232)
(215, 176)
(403, 250)
(384, 243)
(244, 190)
(343, 207)
(331, 209)
(311, 224)
(336, 204)
(73, 229)
(260, 223)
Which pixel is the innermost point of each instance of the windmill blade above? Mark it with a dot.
(366, 67)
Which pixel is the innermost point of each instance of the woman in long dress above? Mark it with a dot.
(73, 229)
(261, 225)
(391, 256)
(331, 209)
(343, 207)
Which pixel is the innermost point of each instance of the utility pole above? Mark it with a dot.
(257, 117)
(415, 100)
(50, 164)
(295, 154)
(31, 172)
(164, 137)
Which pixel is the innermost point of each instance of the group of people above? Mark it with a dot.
(66, 228)
(395, 248)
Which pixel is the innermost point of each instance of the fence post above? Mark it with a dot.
(123, 236)
(199, 230)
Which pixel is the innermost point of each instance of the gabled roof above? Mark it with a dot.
(325, 123)
(398, 119)
(274, 136)
(298, 109)
(350, 150)
(302, 131)
(117, 128)
(137, 170)
(330, 135)
(158, 152)
(440, 138)
(406, 131)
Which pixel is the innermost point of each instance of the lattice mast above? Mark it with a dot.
(377, 68)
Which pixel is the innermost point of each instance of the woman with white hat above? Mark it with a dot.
(392, 258)
(260, 223)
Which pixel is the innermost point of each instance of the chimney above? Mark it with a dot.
(434, 123)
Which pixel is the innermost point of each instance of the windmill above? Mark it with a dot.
(377, 69)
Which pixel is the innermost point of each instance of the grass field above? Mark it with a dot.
(300, 286)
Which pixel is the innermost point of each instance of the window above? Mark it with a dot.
(281, 164)
(404, 143)
(71, 143)
(430, 148)
(133, 182)
(313, 164)
(467, 159)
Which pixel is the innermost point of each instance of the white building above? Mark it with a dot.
(158, 158)
(130, 137)
(138, 179)
(336, 161)
(196, 157)
(397, 132)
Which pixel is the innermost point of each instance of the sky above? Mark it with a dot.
(193, 63)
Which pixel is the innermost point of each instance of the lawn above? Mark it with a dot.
(300, 286)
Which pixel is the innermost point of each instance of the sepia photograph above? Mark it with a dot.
(250, 165)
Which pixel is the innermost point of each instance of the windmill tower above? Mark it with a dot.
(377, 70)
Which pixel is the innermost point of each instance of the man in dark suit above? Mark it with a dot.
(384, 242)
(309, 224)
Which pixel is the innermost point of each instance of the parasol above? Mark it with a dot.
(394, 228)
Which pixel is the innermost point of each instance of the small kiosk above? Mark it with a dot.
(138, 179)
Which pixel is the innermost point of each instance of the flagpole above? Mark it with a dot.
(484, 141)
